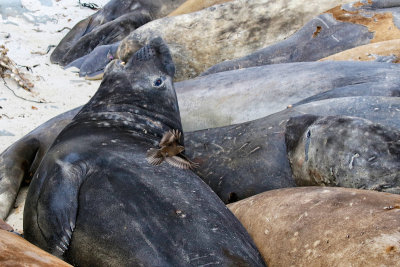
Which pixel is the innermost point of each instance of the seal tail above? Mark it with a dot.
(154, 156)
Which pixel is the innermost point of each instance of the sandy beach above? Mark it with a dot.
(27, 29)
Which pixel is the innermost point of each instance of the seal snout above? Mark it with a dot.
(156, 51)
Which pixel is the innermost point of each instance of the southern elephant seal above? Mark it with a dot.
(343, 151)
(201, 39)
(109, 25)
(228, 154)
(203, 104)
(385, 51)
(195, 5)
(17, 252)
(338, 29)
(323, 226)
(94, 193)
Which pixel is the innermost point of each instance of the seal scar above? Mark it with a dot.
(334, 38)
(352, 160)
(254, 150)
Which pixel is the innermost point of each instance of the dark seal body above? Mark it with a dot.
(109, 25)
(95, 200)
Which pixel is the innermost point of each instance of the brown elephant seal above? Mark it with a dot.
(323, 226)
(195, 5)
(343, 151)
(17, 252)
(387, 51)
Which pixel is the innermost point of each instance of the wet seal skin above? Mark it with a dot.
(16, 251)
(109, 25)
(221, 32)
(341, 28)
(94, 192)
(323, 226)
(344, 151)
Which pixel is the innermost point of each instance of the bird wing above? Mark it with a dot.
(178, 162)
(167, 138)
(154, 156)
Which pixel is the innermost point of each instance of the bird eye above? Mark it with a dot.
(158, 82)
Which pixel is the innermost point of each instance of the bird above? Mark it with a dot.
(171, 151)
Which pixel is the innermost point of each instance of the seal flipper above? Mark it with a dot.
(52, 221)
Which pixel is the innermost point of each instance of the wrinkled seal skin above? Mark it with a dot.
(226, 31)
(323, 226)
(344, 151)
(16, 251)
(338, 29)
(108, 25)
(95, 182)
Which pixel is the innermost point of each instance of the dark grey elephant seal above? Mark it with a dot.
(95, 201)
(227, 155)
(201, 100)
(109, 25)
(344, 151)
(338, 29)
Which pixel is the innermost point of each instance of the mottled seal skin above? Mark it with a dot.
(385, 51)
(344, 151)
(109, 25)
(94, 199)
(91, 66)
(16, 251)
(201, 39)
(338, 29)
(323, 226)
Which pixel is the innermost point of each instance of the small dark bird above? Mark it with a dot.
(171, 151)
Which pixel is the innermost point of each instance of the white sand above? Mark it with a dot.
(32, 29)
(28, 26)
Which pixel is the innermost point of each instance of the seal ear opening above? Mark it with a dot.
(295, 128)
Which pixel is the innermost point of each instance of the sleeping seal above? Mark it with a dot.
(95, 201)
(323, 226)
(344, 151)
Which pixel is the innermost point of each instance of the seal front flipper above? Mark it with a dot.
(51, 214)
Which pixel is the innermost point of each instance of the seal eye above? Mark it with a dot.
(158, 82)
